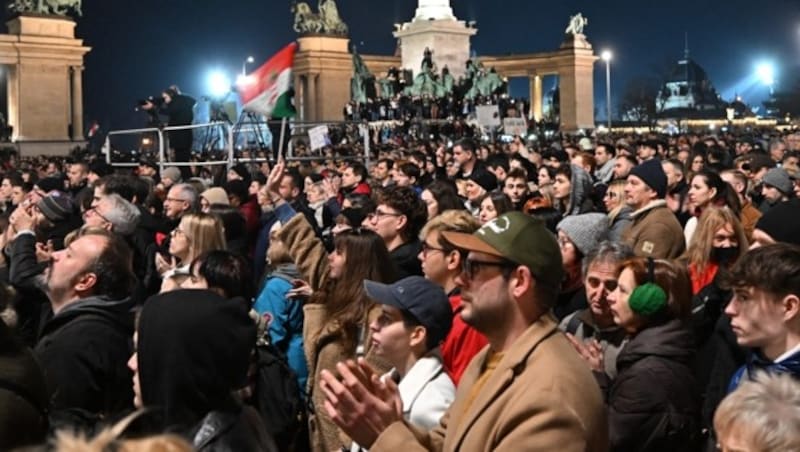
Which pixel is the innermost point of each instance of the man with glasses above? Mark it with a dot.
(181, 199)
(528, 390)
(398, 219)
(441, 264)
(594, 326)
(113, 213)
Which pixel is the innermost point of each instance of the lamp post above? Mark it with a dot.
(249, 60)
(606, 56)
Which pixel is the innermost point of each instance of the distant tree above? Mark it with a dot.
(638, 100)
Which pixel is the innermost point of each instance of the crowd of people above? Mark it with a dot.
(634, 294)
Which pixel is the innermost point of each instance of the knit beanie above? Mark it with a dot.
(586, 231)
(778, 178)
(56, 207)
(782, 222)
(49, 184)
(216, 195)
(242, 171)
(485, 179)
(172, 173)
(652, 173)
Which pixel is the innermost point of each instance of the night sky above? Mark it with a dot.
(142, 46)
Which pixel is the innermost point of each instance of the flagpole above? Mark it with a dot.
(280, 143)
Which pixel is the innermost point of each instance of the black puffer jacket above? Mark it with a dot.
(653, 403)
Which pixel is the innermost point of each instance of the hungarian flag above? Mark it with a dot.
(268, 90)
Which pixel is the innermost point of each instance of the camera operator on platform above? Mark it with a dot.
(178, 107)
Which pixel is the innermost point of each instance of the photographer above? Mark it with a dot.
(178, 107)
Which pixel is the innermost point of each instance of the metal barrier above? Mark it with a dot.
(293, 130)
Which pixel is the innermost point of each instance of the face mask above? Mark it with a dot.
(724, 256)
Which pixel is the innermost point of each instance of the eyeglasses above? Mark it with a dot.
(426, 248)
(594, 283)
(564, 242)
(470, 267)
(94, 211)
(175, 200)
(379, 214)
(177, 231)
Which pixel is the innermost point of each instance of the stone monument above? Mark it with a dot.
(435, 27)
(44, 63)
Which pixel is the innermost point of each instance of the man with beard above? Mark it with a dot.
(84, 346)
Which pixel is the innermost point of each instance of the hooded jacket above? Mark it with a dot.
(193, 351)
(580, 196)
(84, 350)
(653, 403)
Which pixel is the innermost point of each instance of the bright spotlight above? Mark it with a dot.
(766, 73)
(606, 55)
(219, 84)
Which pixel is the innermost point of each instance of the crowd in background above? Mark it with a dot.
(586, 293)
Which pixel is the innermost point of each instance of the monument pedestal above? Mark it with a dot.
(449, 39)
(322, 70)
(576, 84)
(44, 63)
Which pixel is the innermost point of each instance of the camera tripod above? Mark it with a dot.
(254, 125)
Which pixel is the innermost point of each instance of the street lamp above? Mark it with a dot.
(606, 56)
(249, 60)
(766, 73)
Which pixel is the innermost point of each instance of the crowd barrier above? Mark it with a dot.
(293, 133)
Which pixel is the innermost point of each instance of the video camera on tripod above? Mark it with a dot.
(157, 102)
(217, 112)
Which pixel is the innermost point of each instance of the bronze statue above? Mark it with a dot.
(326, 21)
(51, 7)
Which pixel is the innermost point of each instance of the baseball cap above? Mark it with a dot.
(518, 238)
(424, 300)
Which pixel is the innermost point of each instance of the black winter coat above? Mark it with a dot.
(653, 404)
(84, 350)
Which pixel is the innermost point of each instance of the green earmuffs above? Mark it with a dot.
(649, 298)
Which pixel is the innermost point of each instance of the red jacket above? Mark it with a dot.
(462, 343)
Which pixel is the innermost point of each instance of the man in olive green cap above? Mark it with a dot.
(527, 390)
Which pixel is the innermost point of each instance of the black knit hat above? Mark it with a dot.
(485, 179)
(49, 184)
(652, 173)
(782, 222)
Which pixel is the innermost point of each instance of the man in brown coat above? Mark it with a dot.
(527, 390)
(654, 231)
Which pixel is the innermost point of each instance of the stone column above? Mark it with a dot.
(536, 96)
(310, 100)
(76, 74)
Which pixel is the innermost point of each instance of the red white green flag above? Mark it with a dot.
(266, 90)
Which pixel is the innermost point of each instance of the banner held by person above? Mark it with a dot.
(267, 91)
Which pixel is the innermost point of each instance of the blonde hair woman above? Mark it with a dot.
(619, 213)
(196, 234)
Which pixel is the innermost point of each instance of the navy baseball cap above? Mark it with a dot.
(424, 300)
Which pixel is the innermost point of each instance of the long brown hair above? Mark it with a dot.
(712, 220)
(366, 257)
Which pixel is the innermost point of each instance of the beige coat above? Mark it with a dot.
(325, 349)
(655, 232)
(541, 397)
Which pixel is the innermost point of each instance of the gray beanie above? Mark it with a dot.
(586, 231)
(172, 173)
(779, 178)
